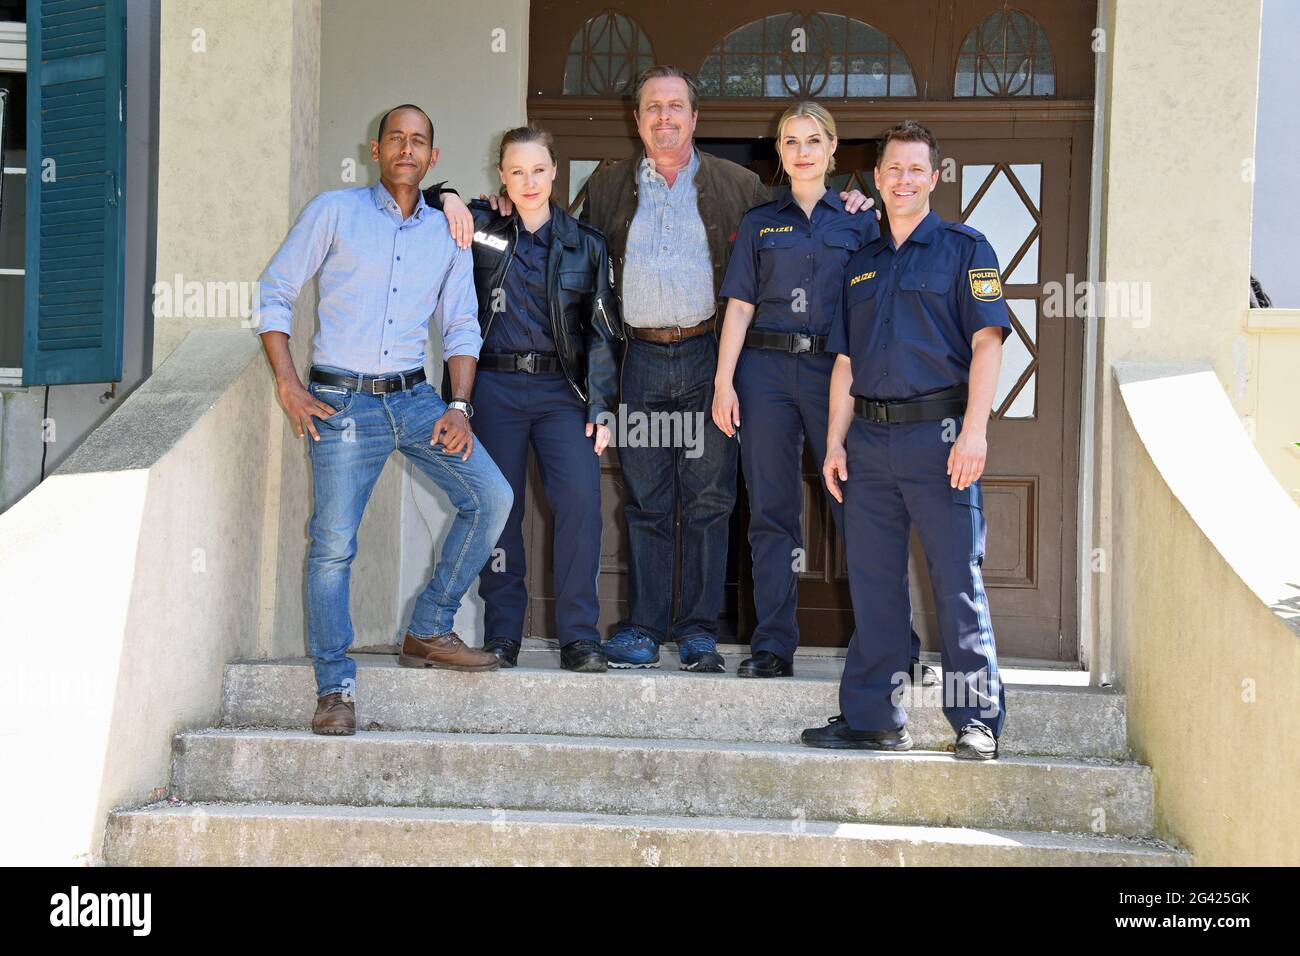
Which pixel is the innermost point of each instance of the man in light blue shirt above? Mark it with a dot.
(386, 263)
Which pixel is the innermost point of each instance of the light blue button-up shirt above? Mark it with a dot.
(667, 269)
(381, 278)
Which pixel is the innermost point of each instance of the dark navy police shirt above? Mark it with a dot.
(792, 270)
(909, 314)
(525, 325)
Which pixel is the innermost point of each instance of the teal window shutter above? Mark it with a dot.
(76, 147)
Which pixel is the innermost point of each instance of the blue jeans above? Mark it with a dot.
(354, 445)
(696, 474)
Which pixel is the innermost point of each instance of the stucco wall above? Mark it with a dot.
(1175, 172)
(1273, 418)
(130, 576)
(1208, 603)
(236, 108)
(1210, 666)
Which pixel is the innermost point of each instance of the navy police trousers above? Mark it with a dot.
(783, 398)
(511, 411)
(897, 478)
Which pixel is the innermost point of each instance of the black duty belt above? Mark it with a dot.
(934, 407)
(531, 362)
(373, 384)
(794, 342)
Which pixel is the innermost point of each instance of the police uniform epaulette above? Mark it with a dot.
(772, 203)
(965, 230)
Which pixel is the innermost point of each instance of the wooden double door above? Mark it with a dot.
(1020, 179)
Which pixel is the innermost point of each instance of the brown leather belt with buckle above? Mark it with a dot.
(934, 407)
(372, 384)
(668, 334)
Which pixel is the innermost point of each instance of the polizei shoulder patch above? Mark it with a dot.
(985, 284)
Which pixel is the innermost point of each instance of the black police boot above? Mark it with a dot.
(585, 657)
(923, 674)
(765, 664)
(837, 735)
(976, 742)
(507, 652)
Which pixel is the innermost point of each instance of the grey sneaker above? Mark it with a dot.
(976, 742)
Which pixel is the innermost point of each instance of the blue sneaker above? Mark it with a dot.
(631, 647)
(700, 654)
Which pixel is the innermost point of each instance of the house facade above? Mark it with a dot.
(1143, 484)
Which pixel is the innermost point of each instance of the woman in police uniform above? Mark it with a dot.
(784, 284)
(547, 372)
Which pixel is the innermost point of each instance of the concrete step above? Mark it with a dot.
(299, 835)
(1047, 712)
(665, 777)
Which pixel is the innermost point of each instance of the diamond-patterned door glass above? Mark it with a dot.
(1026, 272)
(1002, 201)
(1016, 395)
(1029, 175)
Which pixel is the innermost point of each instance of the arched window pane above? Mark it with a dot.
(806, 55)
(606, 56)
(1007, 54)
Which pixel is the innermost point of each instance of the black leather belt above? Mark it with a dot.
(794, 342)
(934, 407)
(374, 384)
(531, 362)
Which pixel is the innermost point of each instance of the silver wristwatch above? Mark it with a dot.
(462, 406)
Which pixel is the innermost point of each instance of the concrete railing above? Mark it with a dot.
(128, 579)
(1206, 618)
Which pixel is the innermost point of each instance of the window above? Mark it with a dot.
(1007, 54)
(13, 186)
(806, 55)
(75, 225)
(606, 56)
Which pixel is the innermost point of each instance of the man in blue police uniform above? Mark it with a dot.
(919, 339)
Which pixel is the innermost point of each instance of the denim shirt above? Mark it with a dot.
(381, 279)
(667, 269)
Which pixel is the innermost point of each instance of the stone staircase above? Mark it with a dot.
(657, 767)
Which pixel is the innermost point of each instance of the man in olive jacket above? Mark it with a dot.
(670, 216)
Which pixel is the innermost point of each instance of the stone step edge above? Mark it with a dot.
(272, 734)
(865, 832)
(671, 672)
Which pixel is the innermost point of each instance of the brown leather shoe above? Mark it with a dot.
(335, 715)
(446, 651)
